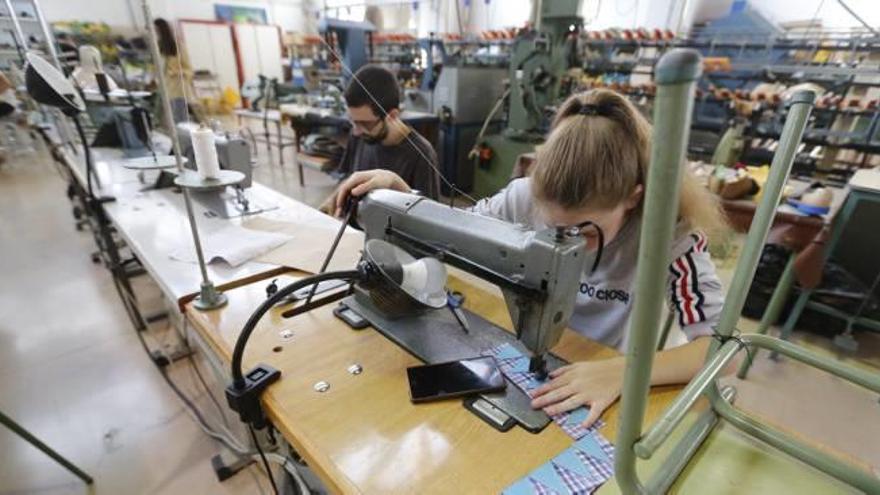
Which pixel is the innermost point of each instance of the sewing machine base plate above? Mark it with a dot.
(436, 336)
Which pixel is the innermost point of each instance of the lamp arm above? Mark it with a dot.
(243, 394)
(88, 153)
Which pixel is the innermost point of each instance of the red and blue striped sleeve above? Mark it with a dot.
(695, 291)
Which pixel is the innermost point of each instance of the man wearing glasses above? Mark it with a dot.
(379, 139)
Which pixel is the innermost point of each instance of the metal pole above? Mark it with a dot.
(17, 28)
(675, 75)
(858, 17)
(772, 312)
(47, 34)
(36, 442)
(209, 297)
(799, 111)
(812, 456)
(539, 6)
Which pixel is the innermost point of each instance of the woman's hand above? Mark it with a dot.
(595, 384)
(360, 183)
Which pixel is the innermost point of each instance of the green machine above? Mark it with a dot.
(539, 59)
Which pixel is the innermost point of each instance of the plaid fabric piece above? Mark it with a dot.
(515, 367)
(575, 483)
(598, 469)
(540, 488)
(606, 446)
(573, 425)
(511, 364)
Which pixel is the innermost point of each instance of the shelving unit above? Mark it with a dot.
(845, 124)
(29, 32)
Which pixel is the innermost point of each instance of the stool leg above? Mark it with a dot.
(661, 342)
(16, 428)
(788, 328)
(771, 313)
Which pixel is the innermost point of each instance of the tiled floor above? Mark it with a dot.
(73, 373)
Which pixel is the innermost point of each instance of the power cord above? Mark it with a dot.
(263, 457)
(192, 409)
(243, 394)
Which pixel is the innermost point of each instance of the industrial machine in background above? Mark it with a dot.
(462, 97)
(350, 40)
(539, 61)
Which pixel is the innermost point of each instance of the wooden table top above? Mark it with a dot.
(363, 435)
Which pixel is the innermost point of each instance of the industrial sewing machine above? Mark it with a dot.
(538, 273)
(233, 153)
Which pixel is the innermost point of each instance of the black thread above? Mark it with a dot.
(735, 336)
(601, 245)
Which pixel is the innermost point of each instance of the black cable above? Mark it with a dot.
(238, 353)
(734, 336)
(126, 302)
(88, 152)
(187, 402)
(204, 383)
(601, 245)
(263, 457)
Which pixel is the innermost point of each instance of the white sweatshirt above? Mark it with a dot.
(605, 298)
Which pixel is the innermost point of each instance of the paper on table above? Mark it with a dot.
(231, 244)
(309, 245)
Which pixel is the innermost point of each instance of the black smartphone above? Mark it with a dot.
(454, 379)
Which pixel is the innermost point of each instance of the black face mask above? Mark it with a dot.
(377, 138)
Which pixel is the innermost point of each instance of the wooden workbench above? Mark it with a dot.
(364, 435)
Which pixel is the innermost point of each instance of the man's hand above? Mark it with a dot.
(360, 183)
(595, 384)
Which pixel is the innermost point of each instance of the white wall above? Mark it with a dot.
(831, 13)
(440, 16)
(289, 14)
(113, 12)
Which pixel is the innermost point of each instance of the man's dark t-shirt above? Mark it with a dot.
(403, 159)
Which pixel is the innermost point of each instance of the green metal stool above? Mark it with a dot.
(20, 431)
(840, 221)
(675, 75)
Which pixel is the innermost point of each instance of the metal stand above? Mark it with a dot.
(209, 297)
(31, 439)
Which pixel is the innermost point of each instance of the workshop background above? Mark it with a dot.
(85, 293)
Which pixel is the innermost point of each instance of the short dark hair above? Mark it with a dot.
(374, 86)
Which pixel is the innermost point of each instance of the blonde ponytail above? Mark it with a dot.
(598, 152)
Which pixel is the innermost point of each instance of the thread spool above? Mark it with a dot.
(207, 163)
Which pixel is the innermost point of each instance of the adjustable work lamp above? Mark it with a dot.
(396, 281)
(47, 85)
